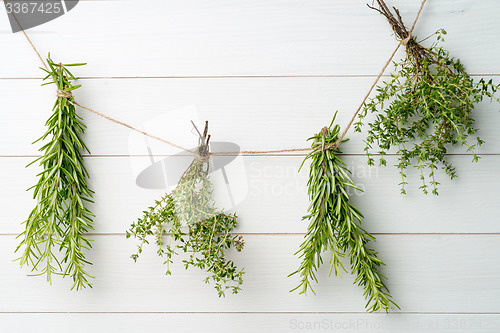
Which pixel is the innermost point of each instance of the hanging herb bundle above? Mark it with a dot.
(424, 108)
(335, 225)
(58, 223)
(209, 231)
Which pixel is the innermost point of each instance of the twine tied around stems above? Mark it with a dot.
(64, 94)
(406, 39)
(202, 153)
(397, 24)
(331, 146)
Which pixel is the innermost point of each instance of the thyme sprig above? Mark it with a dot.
(60, 219)
(186, 220)
(424, 109)
(335, 225)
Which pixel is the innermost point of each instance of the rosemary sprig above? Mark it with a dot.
(194, 226)
(425, 108)
(60, 219)
(335, 225)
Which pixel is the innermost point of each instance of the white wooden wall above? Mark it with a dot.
(267, 74)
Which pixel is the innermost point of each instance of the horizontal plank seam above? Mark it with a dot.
(230, 76)
(252, 312)
(122, 234)
(260, 155)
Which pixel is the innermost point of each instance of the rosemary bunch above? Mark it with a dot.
(60, 219)
(335, 225)
(424, 108)
(188, 216)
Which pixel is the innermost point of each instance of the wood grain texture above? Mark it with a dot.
(250, 322)
(445, 274)
(247, 37)
(267, 74)
(255, 113)
(467, 204)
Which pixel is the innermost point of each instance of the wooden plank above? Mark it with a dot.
(270, 195)
(445, 274)
(256, 114)
(218, 60)
(214, 38)
(248, 322)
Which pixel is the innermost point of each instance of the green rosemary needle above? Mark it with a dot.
(58, 223)
(335, 225)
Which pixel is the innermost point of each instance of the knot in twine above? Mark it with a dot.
(64, 94)
(202, 157)
(202, 154)
(330, 146)
(405, 41)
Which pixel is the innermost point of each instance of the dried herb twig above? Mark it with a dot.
(335, 225)
(209, 231)
(60, 219)
(424, 109)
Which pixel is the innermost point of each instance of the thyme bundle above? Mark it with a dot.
(335, 225)
(209, 231)
(60, 219)
(424, 108)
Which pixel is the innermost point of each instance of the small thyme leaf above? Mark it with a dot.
(424, 108)
(195, 227)
(335, 226)
(60, 219)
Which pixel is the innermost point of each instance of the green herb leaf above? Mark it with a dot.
(334, 225)
(424, 109)
(194, 226)
(58, 223)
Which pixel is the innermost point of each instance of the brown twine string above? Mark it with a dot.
(334, 145)
(256, 152)
(202, 153)
(202, 158)
(133, 128)
(64, 94)
(406, 40)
